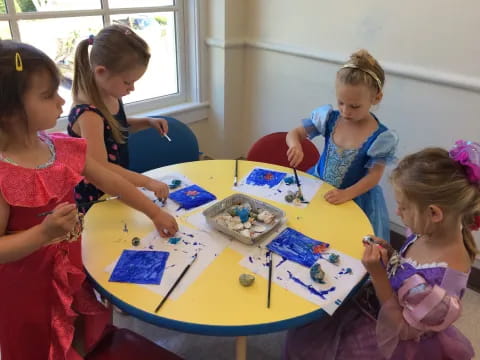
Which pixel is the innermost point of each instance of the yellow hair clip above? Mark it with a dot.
(18, 62)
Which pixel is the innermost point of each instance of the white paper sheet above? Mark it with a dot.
(277, 193)
(171, 206)
(192, 241)
(289, 275)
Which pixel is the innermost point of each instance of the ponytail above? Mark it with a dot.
(84, 82)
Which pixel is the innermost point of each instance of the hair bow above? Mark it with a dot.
(467, 153)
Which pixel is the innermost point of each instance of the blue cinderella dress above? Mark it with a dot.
(344, 167)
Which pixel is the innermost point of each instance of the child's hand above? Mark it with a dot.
(159, 188)
(61, 221)
(160, 124)
(165, 223)
(375, 257)
(337, 196)
(295, 155)
(384, 245)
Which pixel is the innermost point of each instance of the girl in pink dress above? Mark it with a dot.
(47, 309)
(408, 309)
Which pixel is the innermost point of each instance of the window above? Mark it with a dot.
(56, 26)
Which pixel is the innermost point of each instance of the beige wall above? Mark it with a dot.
(280, 59)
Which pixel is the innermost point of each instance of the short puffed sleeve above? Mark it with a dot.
(383, 149)
(317, 122)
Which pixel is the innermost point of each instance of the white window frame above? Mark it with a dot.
(187, 35)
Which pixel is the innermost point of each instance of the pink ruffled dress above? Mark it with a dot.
(43, 294)
(416, 323)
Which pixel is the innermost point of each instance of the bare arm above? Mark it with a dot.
(91, 128)
(18, 245)
(367, 182)
(339, 196)
(294, 142)
(114, 184)
(373, 257)
(137, 124)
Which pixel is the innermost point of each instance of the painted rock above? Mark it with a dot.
(289, 180)
(333, 258)
(246, 279)
(174, 184)
(316, 273)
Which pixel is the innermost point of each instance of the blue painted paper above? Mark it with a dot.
(140, 267)
(297, 247)
(191, 196)
(261, 177)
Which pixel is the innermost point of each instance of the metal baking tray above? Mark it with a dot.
(240, 199)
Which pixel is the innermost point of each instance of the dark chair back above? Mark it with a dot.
(272, 149)
(150, 150)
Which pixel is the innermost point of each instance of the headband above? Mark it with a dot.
(368, 71)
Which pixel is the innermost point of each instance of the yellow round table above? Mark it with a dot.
(215, 304)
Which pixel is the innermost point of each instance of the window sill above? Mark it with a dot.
(186, 112)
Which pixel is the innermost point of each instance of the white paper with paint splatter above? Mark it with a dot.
(339, 281)
(180, 254)
(292, 276)
(169, 205)
(275, 188)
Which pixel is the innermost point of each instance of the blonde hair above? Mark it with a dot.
(431, 176)
(117, 48)
(362, 69)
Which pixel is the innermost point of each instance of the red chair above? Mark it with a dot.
(272, 149)
(123, 344)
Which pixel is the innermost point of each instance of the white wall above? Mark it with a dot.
(429, 49)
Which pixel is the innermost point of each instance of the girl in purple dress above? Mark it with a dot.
(408, 309)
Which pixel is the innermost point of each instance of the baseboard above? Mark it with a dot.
(397, 239)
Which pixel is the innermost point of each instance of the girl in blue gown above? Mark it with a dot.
(357, 145)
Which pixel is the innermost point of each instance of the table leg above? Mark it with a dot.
(241, 348)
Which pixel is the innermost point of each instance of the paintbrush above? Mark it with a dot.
(81, 205)
(269, 279)
(235, 178)
(300, 195)
(176, 282)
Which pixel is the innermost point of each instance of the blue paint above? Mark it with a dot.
(279, 278)
(191, 197)
(281, 262)
(295, 246)
(151, 247)
(186, 242)
(345, 271)
(140, 267)
(261, 177)
(189, 235)
(310, 288)
(174, 240)
(250, 259)
(195, 243)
